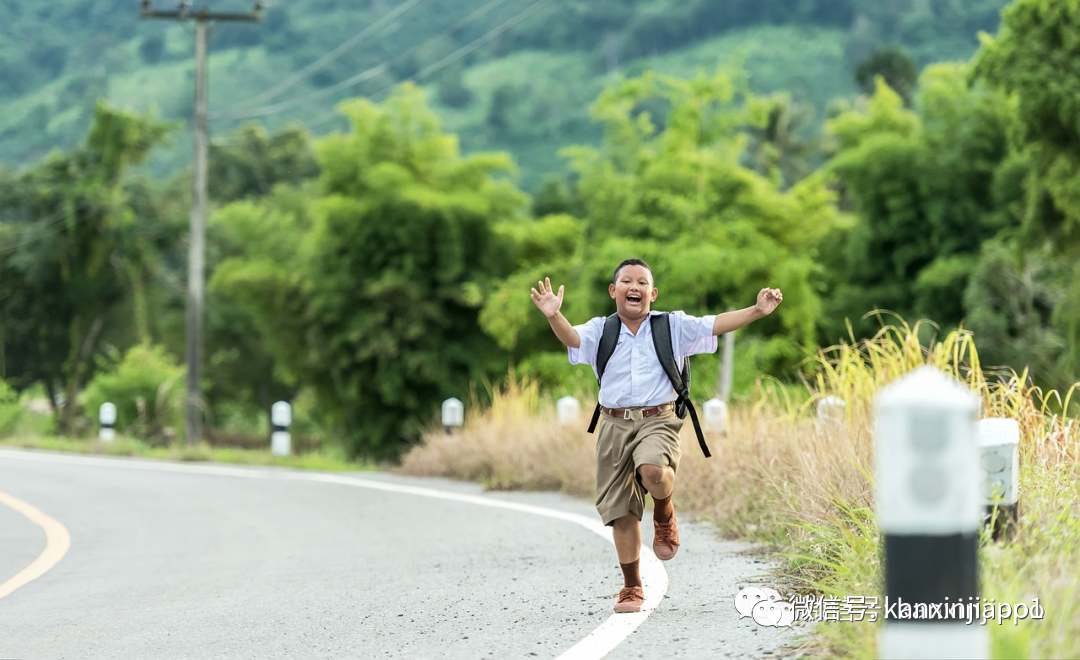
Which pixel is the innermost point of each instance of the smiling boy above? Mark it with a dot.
(638, 443)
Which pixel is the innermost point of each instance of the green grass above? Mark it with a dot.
(327, 460)
(840, 557)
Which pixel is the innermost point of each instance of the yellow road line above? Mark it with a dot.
(57, 543)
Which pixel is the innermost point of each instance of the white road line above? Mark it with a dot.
(597, 644)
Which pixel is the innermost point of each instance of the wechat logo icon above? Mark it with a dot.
(765, 606)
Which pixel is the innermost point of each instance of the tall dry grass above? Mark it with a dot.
(513, 444)
(807, 489)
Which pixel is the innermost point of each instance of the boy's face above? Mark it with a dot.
(633, 291)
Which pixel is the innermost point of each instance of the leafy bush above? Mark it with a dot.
(10, 410)
(147, 388)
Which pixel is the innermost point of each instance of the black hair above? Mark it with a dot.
(631, 262)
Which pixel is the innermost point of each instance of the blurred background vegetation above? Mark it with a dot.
(380, 213)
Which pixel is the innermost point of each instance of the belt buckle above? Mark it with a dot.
(636, 414)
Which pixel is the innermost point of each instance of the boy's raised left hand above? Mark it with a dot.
(768, 299)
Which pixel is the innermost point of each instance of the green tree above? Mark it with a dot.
(400, 257)
(257, 301)
(151, 48)
(452, 90)
(251, 162)
(65, 269)
(779, 145)
(1035, 59)
(1014, 299)
(892, 64)
(929, 189)
(377, 310)
(503, 100)
(678, 197)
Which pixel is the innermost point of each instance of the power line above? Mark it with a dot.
(367, 74)
(23, 221)
(52, 225)
(54, 220)
(327, 58)
(451, 58)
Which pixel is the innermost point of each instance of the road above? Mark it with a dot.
(194, 561)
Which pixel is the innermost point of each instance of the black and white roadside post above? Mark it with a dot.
(999, 459)
(107, 417)
(929, 513)
(568, 410)
(280, 418)
(715, 412)
(453, 414)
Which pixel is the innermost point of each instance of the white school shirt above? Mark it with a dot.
(634, 375)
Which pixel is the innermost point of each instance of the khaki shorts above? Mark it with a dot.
(624, 445)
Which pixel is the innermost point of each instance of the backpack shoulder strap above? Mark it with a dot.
(680, 378)
(665, 350)
(608, 340)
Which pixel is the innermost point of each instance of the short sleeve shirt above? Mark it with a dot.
(633, 376)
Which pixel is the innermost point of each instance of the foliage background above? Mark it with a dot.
(371, 257)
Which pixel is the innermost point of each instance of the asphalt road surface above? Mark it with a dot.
(197, 561)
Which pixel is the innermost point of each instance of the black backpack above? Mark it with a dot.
(680, 378)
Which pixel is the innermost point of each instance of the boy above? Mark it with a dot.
(642, 451)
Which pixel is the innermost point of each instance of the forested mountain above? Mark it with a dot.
(517, 75)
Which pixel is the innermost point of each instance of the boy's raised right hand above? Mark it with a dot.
(546, 299)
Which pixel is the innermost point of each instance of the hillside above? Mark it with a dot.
(510, 74)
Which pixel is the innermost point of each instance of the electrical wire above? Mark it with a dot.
(55, 220)
(326, 59)
(366, 74)
(506, 25)
(447, 60)
(22, 220)
(51, 226)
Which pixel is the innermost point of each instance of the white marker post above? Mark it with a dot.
(830, 412)
(929, 514)
(280, 439)
(453, 414)
(107, 417)
(716, 416)
(999, 459)
(568, 409)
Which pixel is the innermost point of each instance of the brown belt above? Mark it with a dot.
(638, 413)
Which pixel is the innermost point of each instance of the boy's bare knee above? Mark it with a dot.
(625, 522)
(651, 474)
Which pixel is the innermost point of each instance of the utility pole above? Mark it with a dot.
(197, 250)
(727, 367)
